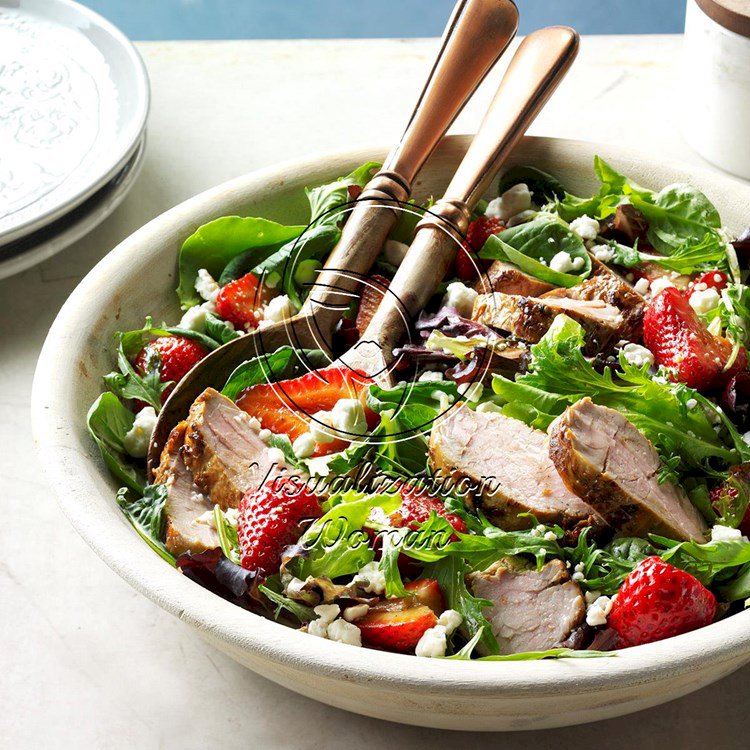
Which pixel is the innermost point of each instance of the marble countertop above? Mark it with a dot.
(86, 661)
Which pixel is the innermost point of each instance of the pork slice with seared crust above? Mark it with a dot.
(607, 462)
(605, 285)
(532, 610)
(185, 504)
(510, 279)
(505, 467)
(528, 318)
(222, 450)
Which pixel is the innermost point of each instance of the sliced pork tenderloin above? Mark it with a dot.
(224, 451)
(606, 286)
(611, 465)
(186, 506)
(532, 610)
(528, 318)
(510, 279)
(504, 466)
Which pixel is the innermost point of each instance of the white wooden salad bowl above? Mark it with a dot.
(139, 277)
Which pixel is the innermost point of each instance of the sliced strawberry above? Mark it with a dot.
(659, 601)
(427, 591)
(239, 301)
(269, 520)
(372, 295)
(680, 341)
(416, 506)
(477, 234)
(710, 280)
(177, 354)
(287, 406)
(396, 624)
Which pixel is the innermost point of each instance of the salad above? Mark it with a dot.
(562, 468)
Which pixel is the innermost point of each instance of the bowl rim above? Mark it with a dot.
(66, 468)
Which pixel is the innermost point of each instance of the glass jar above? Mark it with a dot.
(716, 82)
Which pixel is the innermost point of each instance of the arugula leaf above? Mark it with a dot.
(327, 200)
(146, 514)
(450, 573)
(302, 612)
(219, 330)
(213, 245)
(227, 534)
(335, 544)
(543, 186)
(108, 422)
(531, 247)
(286, 362)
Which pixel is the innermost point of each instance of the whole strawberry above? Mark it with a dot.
(477, 234)
(680, 341)
(177, 355)
(659, 601)
(239, 301)
(269, 520)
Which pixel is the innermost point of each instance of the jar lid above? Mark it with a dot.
(731, 14)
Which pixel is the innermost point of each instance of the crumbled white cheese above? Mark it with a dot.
(327, 613)
(206, 286)
(638, 355)
(513, 201)
(538, 530)
(461, 297)
(659, 284)
(598, 611)
(395, 252)
(563, 263)
(355, 612)
(265, 435)
(604, 253)
(207, 519)
(578, 574)
(746, 438)
(137, 437)
(278, 310)
(489, 406)
(276, 456)
(304, 445)
(344, 632)
(721, 533)
(471, 391)
(194, 318)
(348, 417)
(430, 376)
(704, 301)
(444, 399)
(370, 579)
(585, 227)
(450, 620)
(691, 403)
(641, 286)
(550, 536)
(433, 643)
(321, 427)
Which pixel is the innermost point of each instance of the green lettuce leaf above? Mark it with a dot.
(327, 200)
(146, 514)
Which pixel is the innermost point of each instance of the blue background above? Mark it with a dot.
(321, 19)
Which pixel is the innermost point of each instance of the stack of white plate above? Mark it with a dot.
(74, 100)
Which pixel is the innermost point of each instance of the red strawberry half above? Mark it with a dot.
(659, 601)
(678, 339)
(416, 506)
(239, 300)
(178, 355)
(269, 520)
(709, 280)
(427, 591)
(287, 406)
(396, 624)
(477, 234)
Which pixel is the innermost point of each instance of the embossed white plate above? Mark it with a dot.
(74, 99)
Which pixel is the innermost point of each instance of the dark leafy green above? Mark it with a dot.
(327, 200)
(146, 514)
(543, 186)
